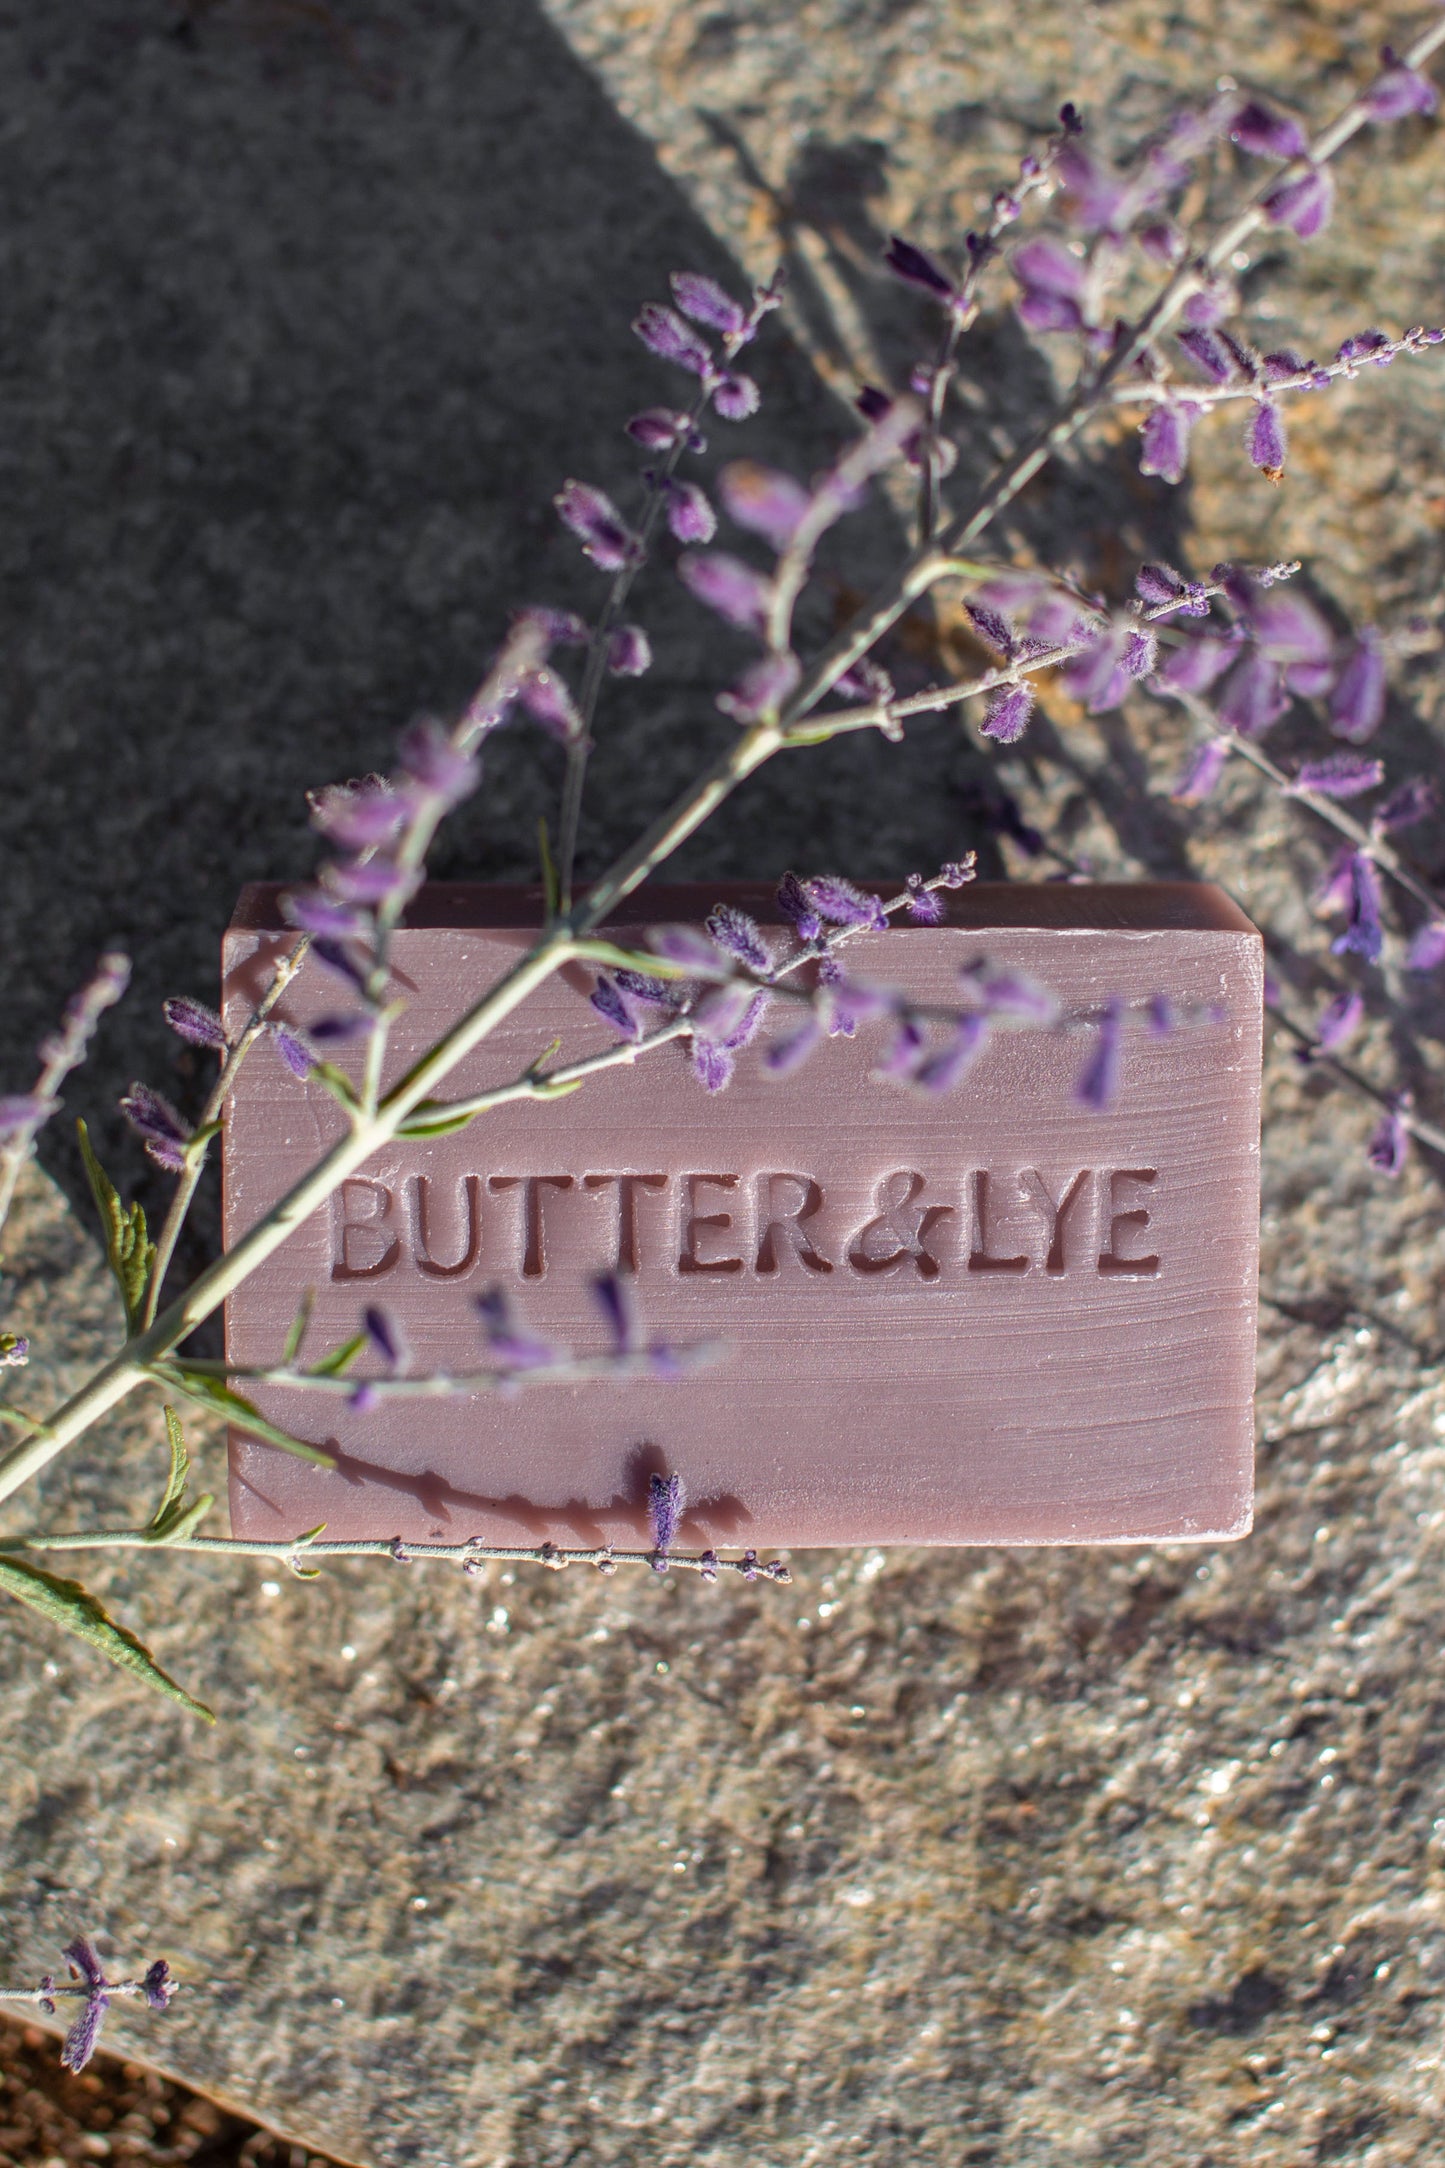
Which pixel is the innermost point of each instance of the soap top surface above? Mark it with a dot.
(994, 1316)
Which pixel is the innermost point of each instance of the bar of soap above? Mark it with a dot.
(993, 1317)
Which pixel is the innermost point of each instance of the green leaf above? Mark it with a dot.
(544, 1090)
(423, 1123)
(173, 1518)
(622, 959)
(338, 1083)
(129, 1251)
(300, 1325)
(222, 1399)
(66, 1603)
(340, 1359)
(551, 885)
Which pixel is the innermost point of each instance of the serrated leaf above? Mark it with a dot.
(68, 1604)
(129, 1251)
(188, 1520)
(222, 1399)
(180, 1468)
(551, 885)
(300, 1325)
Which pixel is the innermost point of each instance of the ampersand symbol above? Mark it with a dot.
(901, 1229)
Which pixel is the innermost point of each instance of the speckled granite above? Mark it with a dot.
(1027, 1859)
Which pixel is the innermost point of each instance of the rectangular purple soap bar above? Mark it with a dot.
(996, 1316)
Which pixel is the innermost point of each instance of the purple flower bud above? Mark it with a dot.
(850, 1004)
(1427, 946)
(1162, 242)
(1303, 204)
(1399, 90)
(1099, 1079)
(1288, 627)
(1008, 714)
(614, 1299)
(705, 302)
(1258, 129)
(1364, 935)
(924, 905)
(434, 764)
(795, 906)
(1282, 364)
(1208, 350)
(1201, 772)
(1159, 585)
(1039, 311)
(1210, 304)
(1369, 346)
(865, 680)
(1389, 1146)
(194, 1022)
(724, 1015)
(1253, 696)
(1164, 441)
(629, 651)
(372, 881)
(666, 1498)
(727, 585)
(1342, 775)
(384, 1335)
(663, 331)
(764, 501)
(549, 703)
(995, 628)
(314, 912)
(940, 1072)
(1052, 281)
(689, 513)
(1002, 992)
(1265, 440)
(1412, 801)
(599, 526)
(736, 397)
(917, 269)
(1141, 649)
(1096, 675)
(1197, 662)
(790, 1052)
(334, 1031)
(741, 936)
(844, 905)
(872, 403)
(1339, 1021)
(903, 1053)
(161, 1129)
(610, 1002)
(358, 816)
(512, 1347)
(657, 429)
(1357, 705)
(293, 1051)
(80, 2041)
(762, 689)
(683, 945)
(348, 963)
(1095, 195)
(158, 1986)
(712, 1065)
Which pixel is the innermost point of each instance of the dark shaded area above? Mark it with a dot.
(1254, 1995)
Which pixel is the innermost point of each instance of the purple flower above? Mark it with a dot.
(925, 905)
(705, 302)
(595, 520)
(1008, 714)
(903, 1053)
(941, 1071)
(1413, 801)
(562, 628)
(1357, 704)
(1096, 196)
(1342, 775)
(1388, 1147)
(796, 906)
(373, 881)
(293, 1051)
(762, 688)
(1201, 772)
(653, 993)
(1215, 300)
(689, 512)
(549, 703)
(158, 1987)
(683, 945)
(1399, 90)
(1363, 935)
(1141, 650)
(1366, 346)
(330, 1031)
(659, 428)
(193, 1021)
(994, 627)
(712, 1065)
(629, 651)
(1265, 440)
(384, 1334)
(1289, 629)
(1194, 666)
(865, 680)
(1340, 1019)
(1053, 281)
(514, 1348)
(1099, 1078)
(727, 585)
(844, 905)
(435, 765)
(741, 936)
(1303, 204)
(1253, 697)
(314, 912)
(917, 268)
(1164, 441)
(730, 1016)
(614, 1299)
(80, 2040)
(736, 397)
(610, 1002)
(358, 816)
(158, 1125)
(1096, 675)
(1002, 992)
(1427, 946)
(785, 1055)
(665, 1501)
(664, 332)
(764, 500)
(850, 1004)
(1209, 351)
(1258, 129)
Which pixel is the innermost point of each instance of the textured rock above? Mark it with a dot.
(1117, 1857)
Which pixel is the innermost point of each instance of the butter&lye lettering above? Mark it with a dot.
(992, 1316)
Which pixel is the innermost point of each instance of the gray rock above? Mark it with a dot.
(1017, 1857)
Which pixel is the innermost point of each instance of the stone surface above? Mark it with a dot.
(1030, 1858)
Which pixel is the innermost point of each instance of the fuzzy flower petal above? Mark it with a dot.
(599, 526)
(763, 500)
(727, 585)
(706, 302)
(1357, 704)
